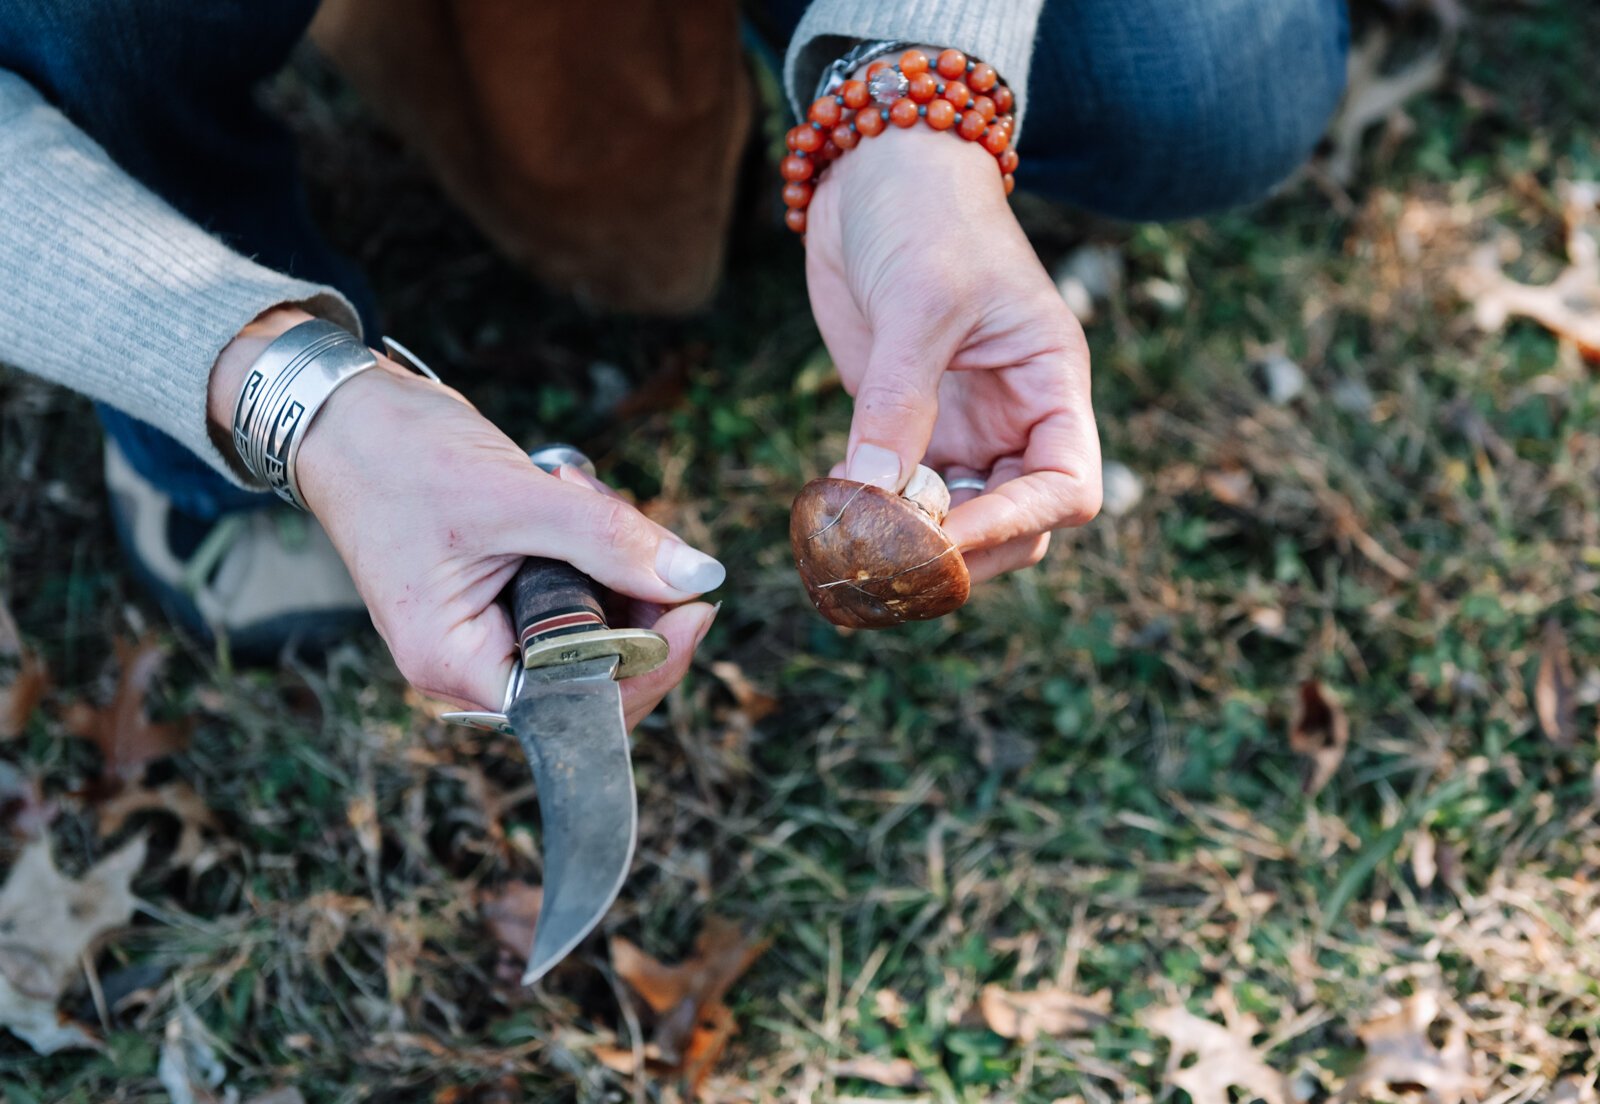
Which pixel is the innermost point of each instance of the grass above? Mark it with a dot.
(1082, 778)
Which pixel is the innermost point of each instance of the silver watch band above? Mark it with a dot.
(839, 72)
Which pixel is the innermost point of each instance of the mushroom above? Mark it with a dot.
(871, 558)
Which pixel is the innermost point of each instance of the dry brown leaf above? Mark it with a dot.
(893, 1073)
(1552, 691)
(180, 800)
(1569, 306)
(327, 917)
(1402, 1058)
(1232, 486)
(1321, 733)
(692, 1025)
(1373, 96)
(753, 704)
(512, 913)
(47, 923)
(122, 730)
(402, 948)
(22, 678)
(1049, 1011)
(890, 1007)
(1223, 1058)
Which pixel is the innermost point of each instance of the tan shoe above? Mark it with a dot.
(262, 580)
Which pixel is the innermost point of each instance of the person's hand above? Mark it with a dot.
(954, 341)
(433, 509)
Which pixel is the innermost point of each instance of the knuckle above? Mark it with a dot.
(1086, 507)
(891, 398)
(613, 523)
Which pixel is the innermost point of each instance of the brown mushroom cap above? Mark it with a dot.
(871, 559)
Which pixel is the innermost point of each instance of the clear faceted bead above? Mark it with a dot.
(887, 86)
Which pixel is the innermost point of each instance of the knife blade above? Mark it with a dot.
(570, 724)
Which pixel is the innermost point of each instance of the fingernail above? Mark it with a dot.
(684, 568)
(876, 465)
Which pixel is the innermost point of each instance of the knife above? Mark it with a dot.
(564, 705)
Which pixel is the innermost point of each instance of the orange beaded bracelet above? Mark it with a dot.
(952, 92)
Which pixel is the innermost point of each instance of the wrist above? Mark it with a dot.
(945, 92)
(232, 367)
(353, 431)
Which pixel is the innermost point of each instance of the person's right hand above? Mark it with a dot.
(433, 510)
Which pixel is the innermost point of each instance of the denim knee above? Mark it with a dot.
(1158, 109)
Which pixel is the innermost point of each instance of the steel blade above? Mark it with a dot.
(570, 724)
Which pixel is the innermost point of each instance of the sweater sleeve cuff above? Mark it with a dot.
(1000, 32)
(111, 292)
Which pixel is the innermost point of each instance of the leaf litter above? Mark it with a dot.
(128, 740)
(1402, 1058)
(1049, 1011)
(48, 923)
(1569, 306)
(1321, 733)
(1209, 1060)
(1553, 698)
(1376, 93)
(692, 1023)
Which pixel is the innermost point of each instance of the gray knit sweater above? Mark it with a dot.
(107, 290)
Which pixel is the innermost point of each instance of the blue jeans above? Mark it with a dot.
(1137, 109)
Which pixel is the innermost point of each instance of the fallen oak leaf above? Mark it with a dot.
(176, 798)
(1321, 733)
(1050, 1011)
(23, 679)
(1569, 306)
(511, 914)
(1373, 96)
(48, 922)
(693, 1025)
(1553, 700)
(1223, 1058)
(1401, 1057)
(128, 740)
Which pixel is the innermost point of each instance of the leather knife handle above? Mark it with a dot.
(558, 611)
(551, 599)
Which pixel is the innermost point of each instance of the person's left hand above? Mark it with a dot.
(954, 341)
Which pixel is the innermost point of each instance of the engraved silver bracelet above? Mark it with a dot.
(287, 386)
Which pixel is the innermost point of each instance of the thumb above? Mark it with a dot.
(896, 405)
(684, 627)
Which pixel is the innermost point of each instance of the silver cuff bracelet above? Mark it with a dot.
(287, 385)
